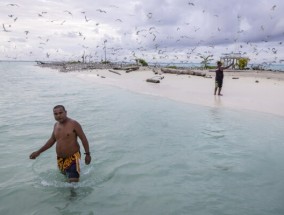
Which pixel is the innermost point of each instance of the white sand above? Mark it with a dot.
(244, 93)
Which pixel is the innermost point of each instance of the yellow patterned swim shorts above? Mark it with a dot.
(66, 165)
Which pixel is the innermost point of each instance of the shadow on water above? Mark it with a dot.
(73, 193)
(73, 196)
(218, 101)
(214, 126)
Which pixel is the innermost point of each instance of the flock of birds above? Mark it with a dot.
(150, 42)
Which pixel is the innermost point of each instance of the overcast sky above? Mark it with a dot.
(177, 31)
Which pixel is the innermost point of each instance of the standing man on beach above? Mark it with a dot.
(219, 77)
(65, 133)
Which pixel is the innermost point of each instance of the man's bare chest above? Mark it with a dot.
(64, 132)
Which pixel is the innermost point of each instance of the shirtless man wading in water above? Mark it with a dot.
(65, 135)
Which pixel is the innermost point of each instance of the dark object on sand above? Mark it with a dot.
(153, 80)
(114, 72)
(182, 72)
(235, 77)
(40, 62)
(127, 69)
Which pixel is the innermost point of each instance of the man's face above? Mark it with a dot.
(59, 114)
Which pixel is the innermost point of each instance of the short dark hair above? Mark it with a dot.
(59, 106)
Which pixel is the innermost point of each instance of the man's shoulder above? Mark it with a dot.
(73, 121)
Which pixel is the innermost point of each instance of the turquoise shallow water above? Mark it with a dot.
(150, 155)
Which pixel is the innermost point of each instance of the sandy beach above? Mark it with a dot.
(260, 91)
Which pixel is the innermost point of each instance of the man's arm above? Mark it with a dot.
(46, 146)
(229, 66)
(84, 140)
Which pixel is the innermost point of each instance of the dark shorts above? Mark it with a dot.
(71, 172)
(70, 166)
(218, 83)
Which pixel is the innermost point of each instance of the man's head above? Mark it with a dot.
(219, 63)
(59, 106)
(60, 114)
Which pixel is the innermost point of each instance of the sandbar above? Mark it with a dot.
(260, 91)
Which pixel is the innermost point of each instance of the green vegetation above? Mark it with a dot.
(105, 62)
(210, 67)
(171, 67)
(141, 61)
(243, 62)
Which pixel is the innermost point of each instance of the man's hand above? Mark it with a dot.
(88, 159)
(34, 155)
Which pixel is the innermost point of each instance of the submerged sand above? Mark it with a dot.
(260, 91)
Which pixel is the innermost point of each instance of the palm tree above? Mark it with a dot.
(105, 41)
(206, 60)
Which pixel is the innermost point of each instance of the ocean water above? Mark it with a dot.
(279, 67)
(150, 155)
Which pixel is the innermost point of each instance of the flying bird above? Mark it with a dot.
(68, 12)
(87, 20)
(149, 15)
(4, 28)
(101, 11)
(262, 28)
(12, 5)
